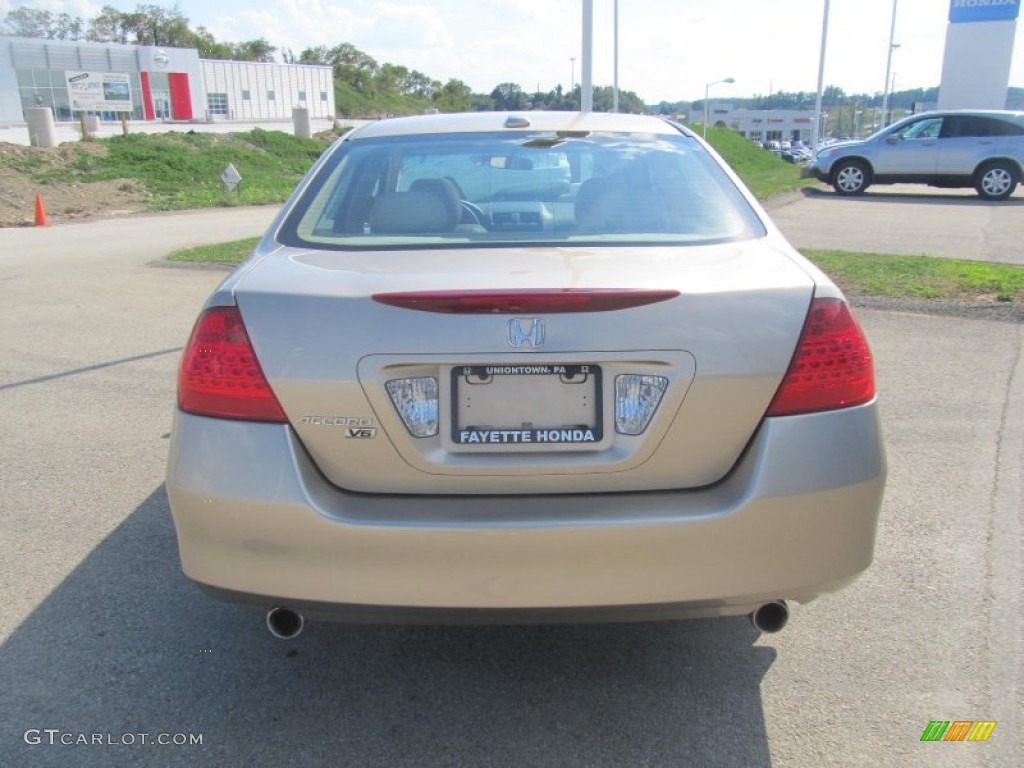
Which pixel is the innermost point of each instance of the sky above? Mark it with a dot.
(669, 50)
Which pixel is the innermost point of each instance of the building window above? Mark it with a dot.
(302, 95)
(217, 104)
(246, 96)
(323, 95)
(270, 95)
(49, 88)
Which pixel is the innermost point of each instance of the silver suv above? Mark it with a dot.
(984, 150)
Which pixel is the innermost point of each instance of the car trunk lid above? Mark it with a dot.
(528, 397)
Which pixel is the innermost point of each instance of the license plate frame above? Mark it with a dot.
(545, 404)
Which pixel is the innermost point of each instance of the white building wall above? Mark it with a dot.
(766, 124)
(231, 78)
(257, 91)
(10, 99)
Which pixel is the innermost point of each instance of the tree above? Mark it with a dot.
(604, 100)
(454, 96)
(481, 102)
(391, 78)
(31, 22)
(160, 26)
(509, 96)
(351, 65)
(109, 26)
(68, 27)
(418, 84)
(319, 56)
(253, 50)
(833, 94)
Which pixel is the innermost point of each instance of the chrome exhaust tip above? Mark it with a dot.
(770, 617)
(284, 623)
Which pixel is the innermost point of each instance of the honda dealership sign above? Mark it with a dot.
(976, 64)
(983, 10)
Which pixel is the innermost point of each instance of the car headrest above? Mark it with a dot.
(446, 191)
(412, 212)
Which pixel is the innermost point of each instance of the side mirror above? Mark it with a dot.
(894, 139)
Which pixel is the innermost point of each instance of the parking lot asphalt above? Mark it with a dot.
(907, 219)
(103, 636)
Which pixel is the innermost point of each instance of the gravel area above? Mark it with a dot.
(1005, 312)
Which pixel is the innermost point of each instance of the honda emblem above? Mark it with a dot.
(526, 330)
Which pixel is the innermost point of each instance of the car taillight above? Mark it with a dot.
(220, 375)
(831, 367)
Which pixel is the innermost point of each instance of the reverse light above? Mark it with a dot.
(636, 399)
(831, 367)
(219, 374)
(416, 402)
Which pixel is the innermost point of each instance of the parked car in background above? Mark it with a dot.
(538, 367)
(984, 150)
(796, 155)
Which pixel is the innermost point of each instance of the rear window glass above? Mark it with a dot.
(496, 189)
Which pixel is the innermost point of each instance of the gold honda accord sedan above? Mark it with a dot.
(527, 367)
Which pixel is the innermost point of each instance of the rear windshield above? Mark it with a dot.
(510, 189)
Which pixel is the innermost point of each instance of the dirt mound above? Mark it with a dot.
(63, 200)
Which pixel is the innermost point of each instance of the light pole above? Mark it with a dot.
(892, 92)
(615, 84)
(888, 65)
(572, 79)
(706, 89)
(815, 132)
(587, 62)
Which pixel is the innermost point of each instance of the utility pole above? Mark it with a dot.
(888, 66)
(572, 79)
(586, 84)
(615, 84)
(815, 134)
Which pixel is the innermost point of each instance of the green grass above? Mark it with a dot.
(921, 277)
(766, 174)
(182, 170)
(232, 252)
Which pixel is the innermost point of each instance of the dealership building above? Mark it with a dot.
(152, 83)
(764, 125)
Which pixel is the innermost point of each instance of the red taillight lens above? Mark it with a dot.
(539, 301)
(220, 375)
(831, 367)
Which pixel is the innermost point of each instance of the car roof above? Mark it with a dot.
(477, 122)
(1003, 113)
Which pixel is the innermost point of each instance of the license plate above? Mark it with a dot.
(526, 404)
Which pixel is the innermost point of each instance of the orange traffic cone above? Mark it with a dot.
(41, 220)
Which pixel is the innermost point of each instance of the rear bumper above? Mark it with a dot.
(796, 518)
